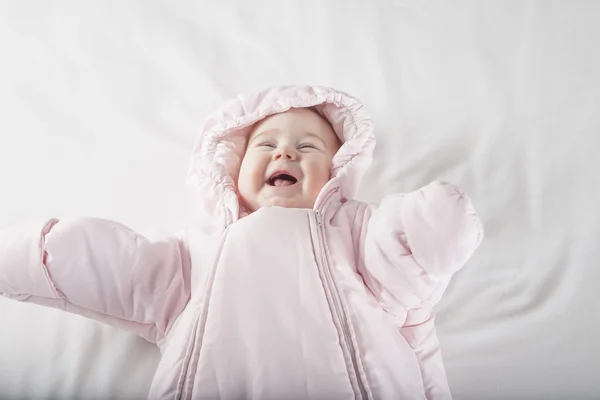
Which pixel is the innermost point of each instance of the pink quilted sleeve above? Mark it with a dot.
(98, 269)
(412, 244)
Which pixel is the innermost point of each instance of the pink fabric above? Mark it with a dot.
(333, 302)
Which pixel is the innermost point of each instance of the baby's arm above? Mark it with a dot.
(411, 246)
(99, 269)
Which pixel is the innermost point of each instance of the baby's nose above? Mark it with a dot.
(286, 153)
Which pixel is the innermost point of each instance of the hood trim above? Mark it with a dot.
(218, 151)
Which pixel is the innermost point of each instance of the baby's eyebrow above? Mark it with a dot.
(274, 130)
(315, 136)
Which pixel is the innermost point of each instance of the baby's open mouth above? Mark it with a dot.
(281, 179)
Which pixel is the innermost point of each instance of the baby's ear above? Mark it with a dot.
(340, 142)
(242, 145)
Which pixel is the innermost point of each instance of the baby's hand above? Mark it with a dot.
(442, 228)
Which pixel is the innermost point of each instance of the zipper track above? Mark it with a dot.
(185, 384)
(337, 306)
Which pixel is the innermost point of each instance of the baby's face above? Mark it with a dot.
(288, 160)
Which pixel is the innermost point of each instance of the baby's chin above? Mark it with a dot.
(287, 202)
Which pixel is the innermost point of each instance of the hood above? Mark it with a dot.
(218, 152)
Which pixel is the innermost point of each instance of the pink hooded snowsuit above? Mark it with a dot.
(333, 302)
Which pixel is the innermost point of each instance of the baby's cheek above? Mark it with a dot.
(245, 182)
(320, 178)
(326, 174)
(249, 171)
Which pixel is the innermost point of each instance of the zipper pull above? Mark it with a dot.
(317, 217)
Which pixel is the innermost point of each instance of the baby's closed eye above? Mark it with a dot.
(308, 146)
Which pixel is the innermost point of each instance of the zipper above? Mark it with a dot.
(334, 299)
(186, 380)
(182, 391)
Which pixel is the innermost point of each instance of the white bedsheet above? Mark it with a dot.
(100, 103)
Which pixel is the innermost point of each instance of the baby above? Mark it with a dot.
(287, 288)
